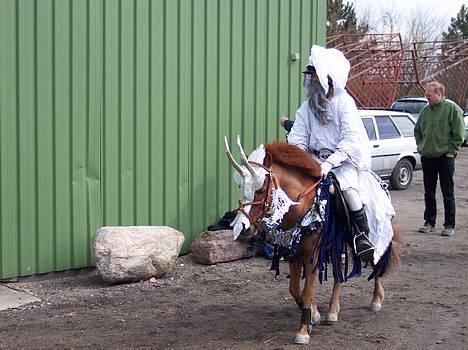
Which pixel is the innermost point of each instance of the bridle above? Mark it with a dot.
(266, 201)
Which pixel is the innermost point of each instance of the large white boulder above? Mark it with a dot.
(133, 253)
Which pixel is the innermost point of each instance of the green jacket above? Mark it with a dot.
(439, 130)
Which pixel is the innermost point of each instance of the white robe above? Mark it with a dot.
(346, 136)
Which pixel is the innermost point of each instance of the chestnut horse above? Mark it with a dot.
(298, 175)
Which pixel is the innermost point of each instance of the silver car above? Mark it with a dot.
(412, 105)
(394, 153)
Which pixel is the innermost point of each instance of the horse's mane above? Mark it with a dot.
(294, 157)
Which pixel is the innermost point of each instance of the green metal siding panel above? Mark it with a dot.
(8, 141)
(26, 80)
(156, 111)
(126, 139)
(319, 28)
(44, 147)
(111, 109)
(198, 121)
(61, 134)
(210, 140)
(113, 112)
(223, 198)
(142, 137)
(94, 118)
(185, 46)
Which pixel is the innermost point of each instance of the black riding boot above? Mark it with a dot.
(363, 247)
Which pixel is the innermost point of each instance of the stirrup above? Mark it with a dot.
(366, 253)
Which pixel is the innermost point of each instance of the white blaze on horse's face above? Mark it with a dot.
(250, 178)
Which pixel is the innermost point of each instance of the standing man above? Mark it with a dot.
(439, 134)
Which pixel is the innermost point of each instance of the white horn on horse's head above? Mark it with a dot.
(245, 161)
(231, 158)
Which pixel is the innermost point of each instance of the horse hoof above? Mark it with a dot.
(302, 339)
(331, 317)
(316, 320)
(376, 307)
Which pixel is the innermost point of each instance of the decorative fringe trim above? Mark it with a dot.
(336, 235)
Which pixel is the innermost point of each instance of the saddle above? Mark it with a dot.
(339, 204)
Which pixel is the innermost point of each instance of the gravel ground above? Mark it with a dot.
(240, 305)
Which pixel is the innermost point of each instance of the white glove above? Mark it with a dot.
(325, 168)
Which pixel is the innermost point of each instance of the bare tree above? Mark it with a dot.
(390, 20)
(424, 32)
(368, 16)
(424, 25)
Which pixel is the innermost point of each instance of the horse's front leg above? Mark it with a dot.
(295, 269)
(379, 295)
(310, 315)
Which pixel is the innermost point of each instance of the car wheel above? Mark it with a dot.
(402, 175)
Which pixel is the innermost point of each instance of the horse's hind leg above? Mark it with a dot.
(379, 295)
(334, 307)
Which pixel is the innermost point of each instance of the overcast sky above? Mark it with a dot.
(444, 9)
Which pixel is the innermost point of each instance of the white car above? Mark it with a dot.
(394, 153)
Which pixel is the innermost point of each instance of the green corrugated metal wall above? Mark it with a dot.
(113, 112)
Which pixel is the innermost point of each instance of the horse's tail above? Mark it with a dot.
(395, 258)
(390, 260)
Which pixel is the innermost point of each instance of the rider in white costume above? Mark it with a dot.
(329, 128)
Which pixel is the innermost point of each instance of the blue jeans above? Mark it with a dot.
(442, 168)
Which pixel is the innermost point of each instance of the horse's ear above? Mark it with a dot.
(268, 160)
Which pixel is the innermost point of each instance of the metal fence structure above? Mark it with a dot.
(382, 68)
(444, 61)
(376, 61)
(113, 112)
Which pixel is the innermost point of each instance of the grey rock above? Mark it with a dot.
(212, 247)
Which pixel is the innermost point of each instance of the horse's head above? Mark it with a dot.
(259, 179)
(256, 182)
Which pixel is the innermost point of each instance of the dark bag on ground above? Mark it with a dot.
(224, 223)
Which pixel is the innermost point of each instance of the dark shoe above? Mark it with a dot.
(448, 231)
(427, 228)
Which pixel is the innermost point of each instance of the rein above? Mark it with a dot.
(308, 190)
(266, 201)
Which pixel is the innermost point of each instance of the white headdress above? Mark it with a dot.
(250, 178)
(330, 62)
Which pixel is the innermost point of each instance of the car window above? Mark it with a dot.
(405, 124)
(387, 130)
(369, 125)
(413, 107)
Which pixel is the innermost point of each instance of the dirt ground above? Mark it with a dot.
(240, 305)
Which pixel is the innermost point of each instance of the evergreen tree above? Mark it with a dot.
(341, 19)
(458, 29)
